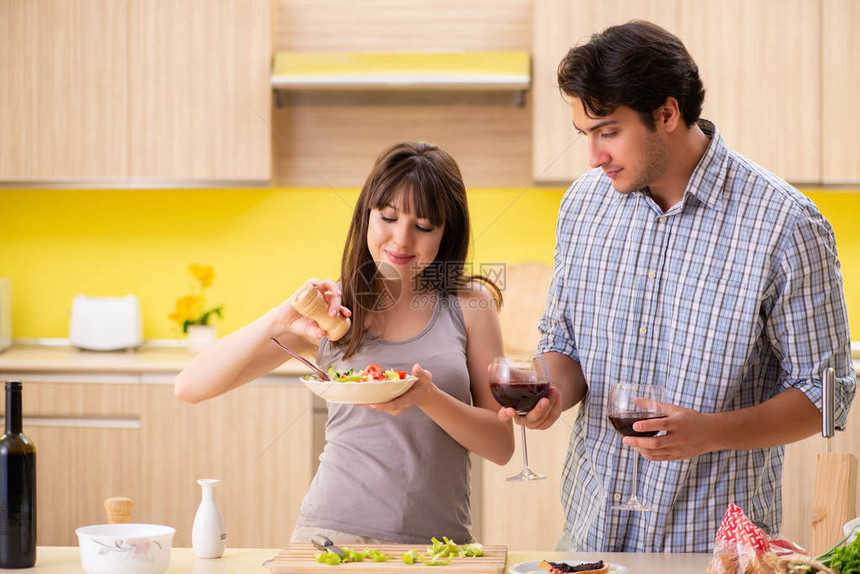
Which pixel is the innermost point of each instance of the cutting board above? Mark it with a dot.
(301, 559)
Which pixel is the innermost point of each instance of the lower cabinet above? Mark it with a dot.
(101, 435)
(256, 440)
(87, 438)
(526, 514)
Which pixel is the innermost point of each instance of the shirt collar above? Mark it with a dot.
(706, 182)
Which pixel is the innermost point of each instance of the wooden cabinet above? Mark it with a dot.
(135, 92)
(759, 60)
(63, 83)
(100, 435)
(256, 439)
(840, 86)
(87, 437)
(527, 514)
(199, 93)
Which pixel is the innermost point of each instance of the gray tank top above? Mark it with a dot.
(397, 478)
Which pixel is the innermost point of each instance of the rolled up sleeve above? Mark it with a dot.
(808, 325)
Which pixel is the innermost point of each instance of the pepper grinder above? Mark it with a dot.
(310, 303)
(208, 535)
(118, 509)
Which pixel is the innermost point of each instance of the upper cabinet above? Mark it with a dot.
(135, 92)
(840, 114)
(771, 70)
(199, 93)
(63, 87)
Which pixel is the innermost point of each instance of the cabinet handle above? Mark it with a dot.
(82, 422)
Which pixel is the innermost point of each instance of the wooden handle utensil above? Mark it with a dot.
(118, 509)
(310, 303)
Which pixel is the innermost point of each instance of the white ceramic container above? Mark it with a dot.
(126, 548)
(208, 535)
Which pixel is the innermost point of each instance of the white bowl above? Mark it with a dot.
(359, 393)
(125, 548)
(852, 525)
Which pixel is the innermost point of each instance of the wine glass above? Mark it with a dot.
(623, 412)
(520, 382)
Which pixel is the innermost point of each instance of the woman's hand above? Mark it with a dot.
(289, 320)
(413, 397)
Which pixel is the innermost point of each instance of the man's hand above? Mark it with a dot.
(688, 433)
(787, 417)
(567, 388)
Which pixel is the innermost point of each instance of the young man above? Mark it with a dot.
(682, 263)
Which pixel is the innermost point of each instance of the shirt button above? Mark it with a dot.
(662, 219)
(616, 496)
(652, 274)
(643, 330)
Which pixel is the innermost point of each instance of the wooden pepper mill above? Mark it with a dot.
(118, 509)
(310, 303)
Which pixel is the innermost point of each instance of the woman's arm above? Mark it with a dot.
(477, 427)
(248, 353)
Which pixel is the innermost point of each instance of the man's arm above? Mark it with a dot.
(567, 388)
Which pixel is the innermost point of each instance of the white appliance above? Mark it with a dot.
(105, 323)
(5, 313)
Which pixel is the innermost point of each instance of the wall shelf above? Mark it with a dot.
(477, 71)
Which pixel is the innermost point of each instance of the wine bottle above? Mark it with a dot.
(17, 487)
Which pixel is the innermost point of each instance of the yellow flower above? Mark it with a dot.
(190, 309)
(203, 273)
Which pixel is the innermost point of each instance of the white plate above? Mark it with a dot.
(852, 526)
(534, 567)
(359, 393)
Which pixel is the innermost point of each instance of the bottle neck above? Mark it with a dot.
(208, 494)
(13, 411)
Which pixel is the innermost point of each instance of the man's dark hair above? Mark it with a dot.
(638, 65)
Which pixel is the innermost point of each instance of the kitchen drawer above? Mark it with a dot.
(67, 396)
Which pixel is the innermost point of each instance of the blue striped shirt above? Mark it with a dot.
(728, 298)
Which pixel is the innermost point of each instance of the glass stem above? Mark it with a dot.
(635, 474)
(525, 448)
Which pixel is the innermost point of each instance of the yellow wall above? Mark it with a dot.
(263, 243)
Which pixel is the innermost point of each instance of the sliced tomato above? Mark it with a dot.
(403, 374)
(373, 371)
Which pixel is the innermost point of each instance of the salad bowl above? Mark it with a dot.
(359, 392)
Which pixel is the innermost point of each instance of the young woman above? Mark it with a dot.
(397, 471)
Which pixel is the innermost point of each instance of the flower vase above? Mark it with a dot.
(208, 534)
(200, 337)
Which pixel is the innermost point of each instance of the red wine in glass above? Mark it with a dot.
(520, 382)
(628, 403)
(521, 396)
(623, 422)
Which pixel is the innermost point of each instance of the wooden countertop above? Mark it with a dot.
(32, 358)
(42, 358)
(67, 560)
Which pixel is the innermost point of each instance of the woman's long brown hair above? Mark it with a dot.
(433, 189)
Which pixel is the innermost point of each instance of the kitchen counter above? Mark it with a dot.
(67, 560)
(42, 358)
